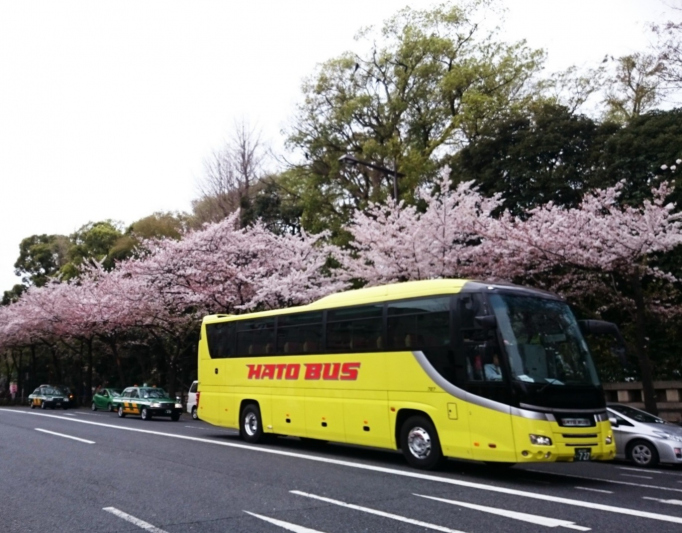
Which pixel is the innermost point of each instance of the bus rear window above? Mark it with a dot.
(219, 337)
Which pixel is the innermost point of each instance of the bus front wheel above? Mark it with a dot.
(251, 425)
(419, 443)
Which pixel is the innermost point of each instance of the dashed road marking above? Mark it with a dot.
(640, 477)
(595, 490)
(525, 517)
(136, 521)
(65, 436)
(376, 512)
(670, 502)
(285, 525)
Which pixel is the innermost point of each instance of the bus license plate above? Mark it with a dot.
(168, 411)
(582, 454)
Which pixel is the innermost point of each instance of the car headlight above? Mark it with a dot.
(155, 404)
(178, 405)
(540, 440)
(663, 435)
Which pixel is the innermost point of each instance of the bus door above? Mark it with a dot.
(485, 377)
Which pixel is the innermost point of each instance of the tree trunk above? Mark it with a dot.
(89, 374)
(642, 348)
(33, 381)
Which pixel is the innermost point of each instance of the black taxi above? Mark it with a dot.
(146, 402)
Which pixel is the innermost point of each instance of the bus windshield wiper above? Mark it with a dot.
(550, 381)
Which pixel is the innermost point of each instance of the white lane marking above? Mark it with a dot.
(378, 513)
(130, 518)
(285, 525)
(525, 517)
(639, 470)
(573, 476)
(671, 502)
(65, 436)
(640, 477)
(69, 414)
(594, 490)
(391, 471)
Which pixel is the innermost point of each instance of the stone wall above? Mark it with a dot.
(668, 397)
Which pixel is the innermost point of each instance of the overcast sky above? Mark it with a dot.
(108, 108)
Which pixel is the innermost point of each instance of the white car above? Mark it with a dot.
(643, 438)
(192, 400)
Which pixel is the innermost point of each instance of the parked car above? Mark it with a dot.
(147, 402)
(69, 394)
(643, 438)
(48, 396)
(192, 396)
(104, 399)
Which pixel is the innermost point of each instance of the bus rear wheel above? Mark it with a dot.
(419, 443)
(250, 424)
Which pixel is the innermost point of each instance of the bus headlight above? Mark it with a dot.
(609, 439)
(540, 440)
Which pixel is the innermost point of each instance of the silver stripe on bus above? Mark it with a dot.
(542, 413)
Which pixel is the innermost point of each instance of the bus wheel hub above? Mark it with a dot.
(419, 442)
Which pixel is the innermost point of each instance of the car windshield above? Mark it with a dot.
(114, 393)
(543, 341)
(636, 414)
(153, 393)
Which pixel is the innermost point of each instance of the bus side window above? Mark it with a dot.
(471, 339)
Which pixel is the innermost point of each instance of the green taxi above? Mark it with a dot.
(147, 402)
(104, 399)
(48, 396)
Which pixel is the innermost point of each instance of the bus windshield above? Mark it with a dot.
(542, 341)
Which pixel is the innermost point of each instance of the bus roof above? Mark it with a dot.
(381, 293)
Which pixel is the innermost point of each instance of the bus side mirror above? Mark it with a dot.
(598, 327)
(601, 327)
(614, 422)
(487, 322)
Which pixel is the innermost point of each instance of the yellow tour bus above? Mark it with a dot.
(438, 368)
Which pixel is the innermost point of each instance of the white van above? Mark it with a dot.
(192, 400)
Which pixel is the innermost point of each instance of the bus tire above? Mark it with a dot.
(251, 424)
(419, 443)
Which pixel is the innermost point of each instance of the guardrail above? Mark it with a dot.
(668, 397)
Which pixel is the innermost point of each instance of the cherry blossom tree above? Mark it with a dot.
(397, 242)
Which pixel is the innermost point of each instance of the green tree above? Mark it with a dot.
(93, 241)
(550, 154)
(636, 86)
(41, 257)
(13, 295)
(430, 82)
(156, 226)
(636, 153)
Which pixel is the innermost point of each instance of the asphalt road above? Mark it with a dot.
(91, 471)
